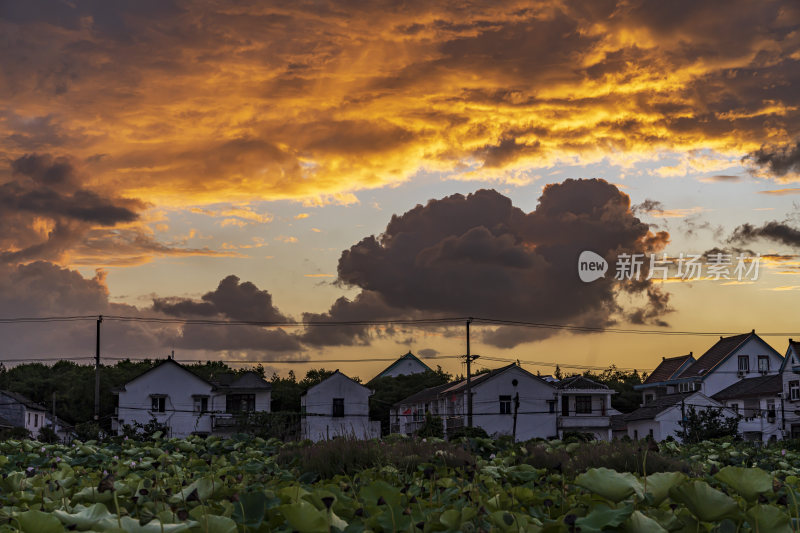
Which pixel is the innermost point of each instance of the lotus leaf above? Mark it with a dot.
(610, 484)
(705, 502)
(748, 482)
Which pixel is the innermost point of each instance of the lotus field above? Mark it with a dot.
(249, 484)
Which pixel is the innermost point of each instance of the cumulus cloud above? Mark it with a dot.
(40, 289)
(478, 255)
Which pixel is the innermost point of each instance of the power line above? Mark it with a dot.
(437, 321)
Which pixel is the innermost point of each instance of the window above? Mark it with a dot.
(201, 404)
(583, 405)
(505, 405)
(565, 406)
(158, 404)
(635, 434)
(687, 387)
(35, 420)
(771, 409)
(240, 403)
(794, 390)
(338, 407)
(649, 398)
(763, 364)
(735, 407)
(551, 406)
(651, 434)
(29, 418)
(744, 363)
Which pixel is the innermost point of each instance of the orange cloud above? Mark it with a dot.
(276, 102)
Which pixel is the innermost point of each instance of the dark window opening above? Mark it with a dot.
(240, 403)
(505, 405)
(338, 407)
(159, 404)
(583, 405)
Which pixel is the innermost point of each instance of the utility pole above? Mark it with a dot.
(97, 372)
(53, 426)
(516, 409)
(469, 358)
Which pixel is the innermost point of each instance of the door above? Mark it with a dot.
(565, 406)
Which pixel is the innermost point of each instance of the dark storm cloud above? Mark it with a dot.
(775, 231)
(49, 212)
(231, 299)
(49, 187)
(777, 160)
(234, 300)
(478, 255)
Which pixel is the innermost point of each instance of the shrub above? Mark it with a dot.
(621, 456)
(46, 434)
(433, 427)
(14, 433)
(349, 456)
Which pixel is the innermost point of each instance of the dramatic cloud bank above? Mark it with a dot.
(478, 255)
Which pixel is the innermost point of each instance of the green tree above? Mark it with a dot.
(705, 424)
(390, 390)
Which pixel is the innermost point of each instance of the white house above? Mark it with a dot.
(186, 403)
(790, 381)
(757, 401)
(660, 418)
(406, 365)
(337, 407)
(499, 398)
(729, 360)
(18, 411)
(584, 407)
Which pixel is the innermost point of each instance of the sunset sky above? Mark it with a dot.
(336, 161)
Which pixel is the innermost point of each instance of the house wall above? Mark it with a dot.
(34, 420)
(317, 404)
(640, 429)
(725, 374)
(406, 367)
(791, 408)
(534, 420)
(178, 385)
(755, 420)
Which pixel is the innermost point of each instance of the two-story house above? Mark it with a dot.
(188, 404)
(511, 401)
(790, 385)
(337, 406)
(505, 401)
(731, 360)
(584, 406)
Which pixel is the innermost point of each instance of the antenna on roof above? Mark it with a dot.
(663, 357)
(753, 331)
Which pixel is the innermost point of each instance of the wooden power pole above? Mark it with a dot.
(97, 372)
(469, 357)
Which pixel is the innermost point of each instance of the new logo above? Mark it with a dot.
(591, 266)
